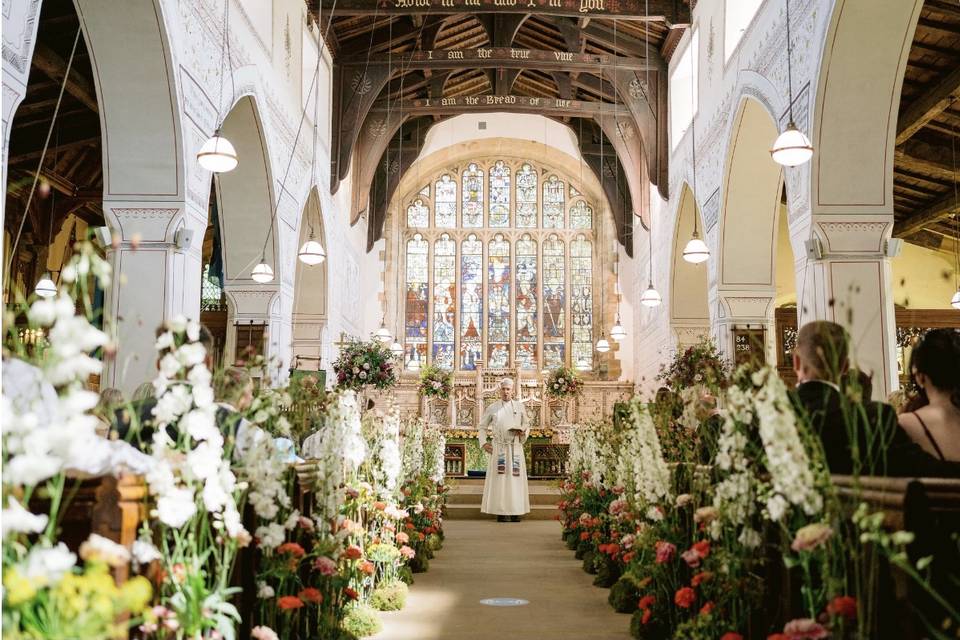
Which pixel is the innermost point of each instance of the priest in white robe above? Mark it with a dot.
(503, 430)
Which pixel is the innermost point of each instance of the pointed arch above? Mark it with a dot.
(689, 296)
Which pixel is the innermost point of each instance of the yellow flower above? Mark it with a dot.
(135, 594)
(19, 588)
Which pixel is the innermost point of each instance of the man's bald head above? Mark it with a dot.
(821, 352)
(506, 388)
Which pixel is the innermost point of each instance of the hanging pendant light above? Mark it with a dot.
(602, 345)
(650, 297)
(792, 147)
(217, 154)
(383, 334)
(617, 332)
(46, 288)
(262, 273)
(696, 250)
(311, 253)
(397, 350)
(955, 301)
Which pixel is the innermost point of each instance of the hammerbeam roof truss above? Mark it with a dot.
(928, 131)
(399, 63)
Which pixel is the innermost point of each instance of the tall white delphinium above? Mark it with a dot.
(791, 478)
(641, 447)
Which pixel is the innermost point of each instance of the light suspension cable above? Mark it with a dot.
(696, 250)
(312, 252)
(217, 153)
(792, 147)
(650, 297)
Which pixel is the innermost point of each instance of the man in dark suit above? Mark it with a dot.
(859, 436)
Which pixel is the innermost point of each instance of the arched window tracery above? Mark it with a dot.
(499, 268)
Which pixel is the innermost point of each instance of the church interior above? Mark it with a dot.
(459, 319)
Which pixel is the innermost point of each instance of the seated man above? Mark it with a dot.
(858, 435)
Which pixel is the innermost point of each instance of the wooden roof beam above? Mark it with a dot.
(489, 103)
(671, 11)
(53, 66)
(928, 106)
(502, 58)
(942, 208)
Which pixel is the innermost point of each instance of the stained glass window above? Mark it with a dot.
(444, 300)
(498, 301)
(500, 195)
(471, 302)
(418, 215)
(417, 279)
(581, 216)
(446, 203)
(526, 197)
(527, 329)
(502, 274)
(554, 303)
(553, 203)
(473, 196)
(581, 301)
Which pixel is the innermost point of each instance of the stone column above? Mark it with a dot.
(743, 308)
(154, 280)
(851, 284)
(252, 303)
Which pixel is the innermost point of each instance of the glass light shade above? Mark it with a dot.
(262, 273)
(791, 147)
(217, 154)
(396, 349)
(650, 297)
(955, 300)
(602, 345)
(696, 250)
(312, 253)
(383, 334)
(45, 287)
(583, 365)
(617, 332)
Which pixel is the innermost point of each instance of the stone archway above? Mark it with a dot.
(143, 178)
(310, 310)
(851, 176)
(248, 228)
(746, 261)
(689, 296)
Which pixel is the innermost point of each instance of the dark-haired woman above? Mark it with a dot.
(932, 419)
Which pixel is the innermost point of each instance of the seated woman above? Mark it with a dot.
(932, 418)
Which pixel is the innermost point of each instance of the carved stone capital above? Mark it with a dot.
(143, 222)
(854, 236)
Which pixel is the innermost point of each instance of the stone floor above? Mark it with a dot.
(484, 559)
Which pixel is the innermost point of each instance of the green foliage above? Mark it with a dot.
(405, 574)
(434, 542)
(390, 596)
(652, 630)
(436, 382)
(419, 563)
(624, 595)
(608, 571)
(572, 540)
(364, 364)
(362, 621)
(582, 547)
(590, 561)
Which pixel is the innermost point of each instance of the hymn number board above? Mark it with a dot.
(748, 346)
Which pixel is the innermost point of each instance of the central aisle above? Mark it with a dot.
(485, 559)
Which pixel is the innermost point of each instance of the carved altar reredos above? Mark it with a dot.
(474, 390)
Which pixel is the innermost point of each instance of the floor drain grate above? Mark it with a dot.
(504, 602)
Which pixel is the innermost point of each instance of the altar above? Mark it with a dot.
(552, 420)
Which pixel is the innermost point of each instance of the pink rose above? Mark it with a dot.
(325, 565)
(665, 551)
(805, 629)
(403, 538)
(407, 552)
(811, 536)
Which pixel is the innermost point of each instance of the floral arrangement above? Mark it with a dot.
(699, 365)
(679, 544)
(564, 382)
(375, 499)
(365, 364)
(436, 382)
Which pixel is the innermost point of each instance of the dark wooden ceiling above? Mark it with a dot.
(71, 176)
(925, 208)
